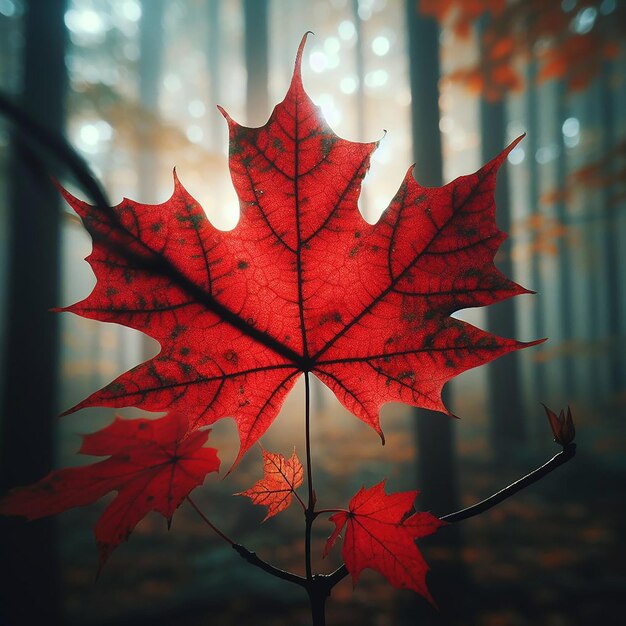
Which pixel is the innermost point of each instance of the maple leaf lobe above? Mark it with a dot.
(302, 283)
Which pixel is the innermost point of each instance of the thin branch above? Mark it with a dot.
(307, 409)
(57, 146)
(246, 554)
(323, 511)
(253, 559)
(557, 460)
(568, 453)
(299, 499)
(210, 524)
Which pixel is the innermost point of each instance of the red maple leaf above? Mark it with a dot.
(302, 283)
(280, 480)
(153, 465)
(381, 533)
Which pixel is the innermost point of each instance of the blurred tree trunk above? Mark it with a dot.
(360, 73)
(150, 69)
(28, 553)
(507, 428)
(436, 467)
(218, 127)
(537, 383)
(615, 316)
(565, 310)
(150, 65)
(256, 58)
(436, 456)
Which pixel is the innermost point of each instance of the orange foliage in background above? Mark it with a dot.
(463, 13)
(529, 30)
(607, 172)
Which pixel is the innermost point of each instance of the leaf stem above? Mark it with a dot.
(299, 499)
(250, 557)
(309, 512)
(210, 524)
(323, 511)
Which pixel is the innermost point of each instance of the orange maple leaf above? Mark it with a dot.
(280, 480)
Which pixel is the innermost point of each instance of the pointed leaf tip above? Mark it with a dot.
(297, 72)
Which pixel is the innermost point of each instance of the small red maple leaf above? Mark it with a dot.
(301, 284)
(381, 533)
(280, 480)
(153, 465)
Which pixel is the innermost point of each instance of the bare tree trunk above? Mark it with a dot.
(150, 64)
(564, 270)
(256, 57)
(436, 456)
(507, 427)
(615, 315)
(536, 369)
(436, 469)
(218, 127)
(28, 553)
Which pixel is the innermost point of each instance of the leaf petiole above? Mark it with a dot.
(323, 511)
(210, 524)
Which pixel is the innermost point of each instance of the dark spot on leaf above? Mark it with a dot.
(231, 357)
(242, 265)
(178, 330)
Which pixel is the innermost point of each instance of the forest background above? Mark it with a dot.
(132, 86)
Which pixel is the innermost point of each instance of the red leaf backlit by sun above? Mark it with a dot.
(280, 480)
(381, 533)
(302, 283)
(152, 464)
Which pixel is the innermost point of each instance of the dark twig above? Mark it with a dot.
(309, 513)
(557, 460)
(57, 146)
(562, 457)
(253, 559)
(210, 524)
(244, 553)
